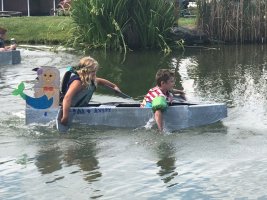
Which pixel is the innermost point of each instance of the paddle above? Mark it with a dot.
(121, 94)
(181, 100)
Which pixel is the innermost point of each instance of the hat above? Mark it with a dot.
(2, 30)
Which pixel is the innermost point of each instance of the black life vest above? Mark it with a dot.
(65, 80)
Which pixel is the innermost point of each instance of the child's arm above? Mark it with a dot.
(159, 121)
(176, 91)
(179, 92)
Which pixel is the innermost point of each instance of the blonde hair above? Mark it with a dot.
(84, 69)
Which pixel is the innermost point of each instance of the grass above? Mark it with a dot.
(189, 23)
(38, 30)
(51, 29)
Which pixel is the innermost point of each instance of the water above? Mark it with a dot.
(225, 160)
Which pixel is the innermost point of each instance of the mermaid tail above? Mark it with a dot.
(19, 91)
(38, 103)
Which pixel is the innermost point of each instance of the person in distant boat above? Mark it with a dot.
(158, 97)
(3, 33)
(82, 85)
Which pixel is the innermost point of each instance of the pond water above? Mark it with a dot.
(226, 160)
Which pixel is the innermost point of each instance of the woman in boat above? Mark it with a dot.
(82, 85)
(158, 97)
(2, 41)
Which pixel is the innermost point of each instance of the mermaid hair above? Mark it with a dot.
(85, 66)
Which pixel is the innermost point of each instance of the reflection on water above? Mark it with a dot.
(83, 154)
(48, 159)
(52, 157)
(225, 160)
(167, 162)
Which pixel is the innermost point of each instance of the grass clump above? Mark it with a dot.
(122, 24)
(234, 21)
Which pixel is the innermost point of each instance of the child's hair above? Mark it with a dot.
(87, 65)
(2, 30)
(163, 75)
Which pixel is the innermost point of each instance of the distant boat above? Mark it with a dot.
(10, 57)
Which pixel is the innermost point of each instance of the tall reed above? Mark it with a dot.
(237, 21)
(122, 24)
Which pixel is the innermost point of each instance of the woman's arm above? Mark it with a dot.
(12, 47)
(9, 48)
(74, 88)
(104, 82)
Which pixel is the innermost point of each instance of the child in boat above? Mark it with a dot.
(2, 41)
(158, 97)
(82, 85)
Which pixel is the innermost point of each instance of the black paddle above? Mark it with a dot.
(181, 100)
(121, 94)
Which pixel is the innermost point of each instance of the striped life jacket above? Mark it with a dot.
(155, 92)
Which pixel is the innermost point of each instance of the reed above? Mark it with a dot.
(122, 24)
(238, 21)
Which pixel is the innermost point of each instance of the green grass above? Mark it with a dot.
(187, 22)
(38, 30)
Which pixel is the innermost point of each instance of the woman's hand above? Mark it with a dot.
(64, 120)
(13, 47)
(117, 88)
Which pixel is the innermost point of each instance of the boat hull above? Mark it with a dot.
(10, 57)
(175, 117)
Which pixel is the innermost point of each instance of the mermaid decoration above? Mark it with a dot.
(46, 89)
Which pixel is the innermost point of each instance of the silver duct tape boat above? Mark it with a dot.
(44, 108)
(123, 115)
(10, 57)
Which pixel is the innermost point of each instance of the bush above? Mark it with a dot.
(122, 24)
